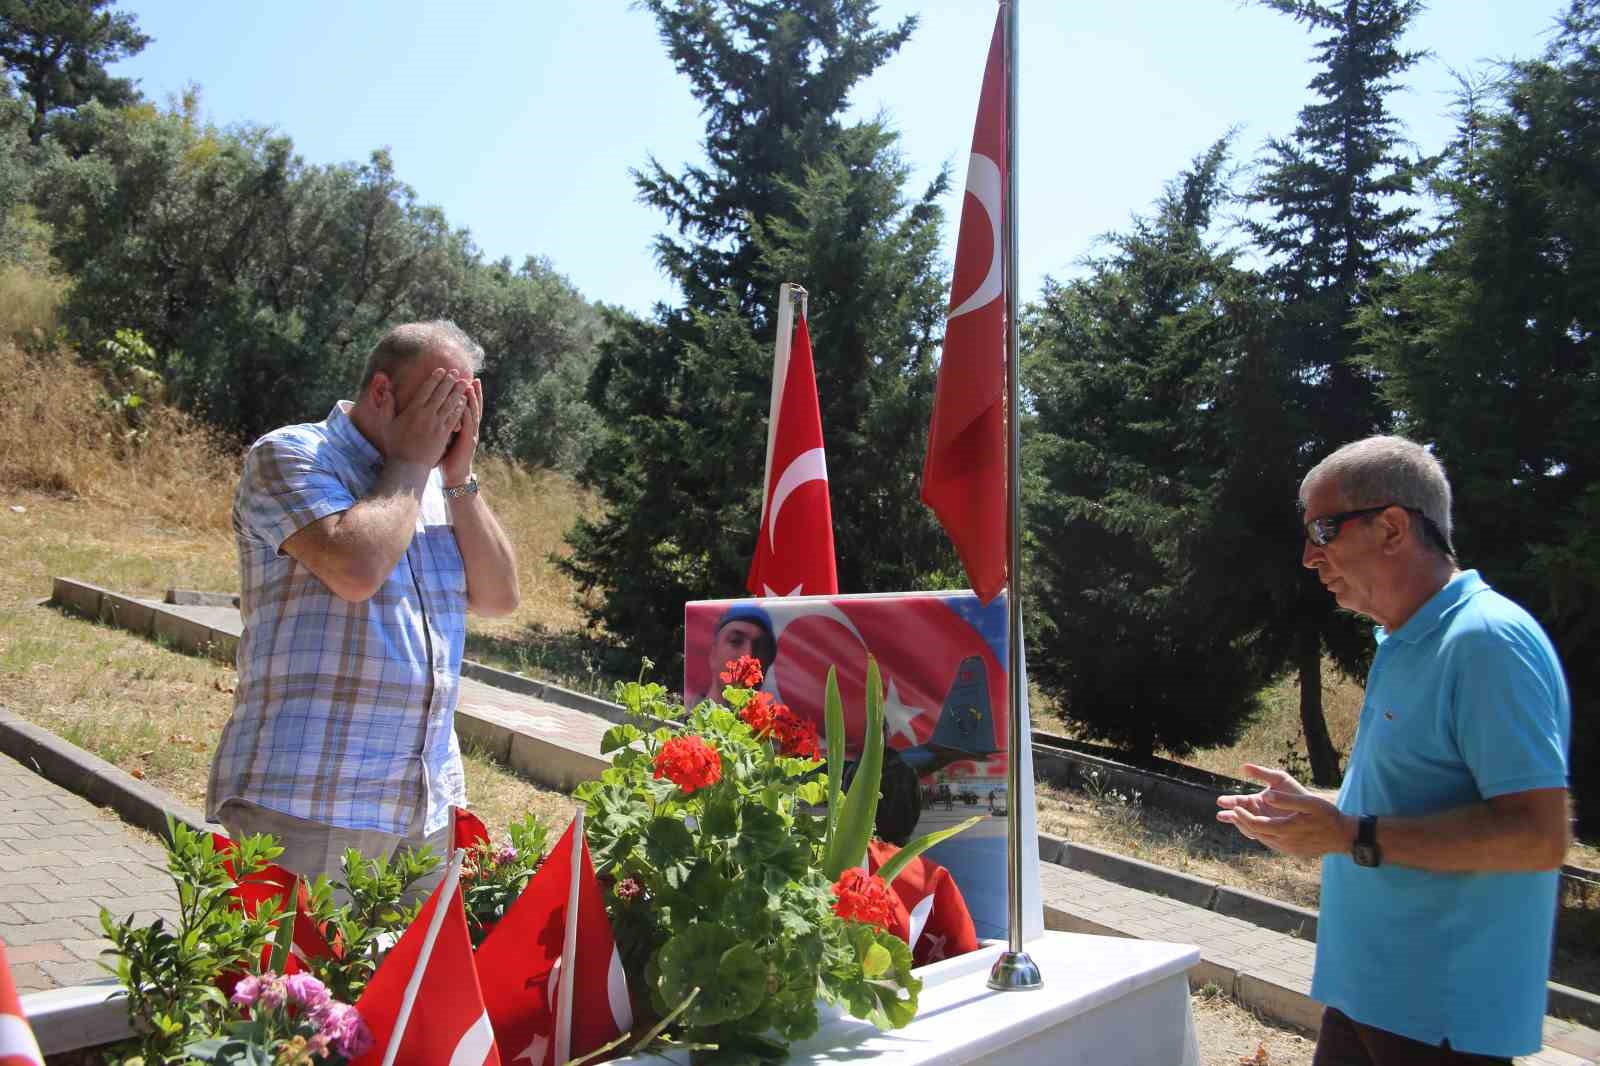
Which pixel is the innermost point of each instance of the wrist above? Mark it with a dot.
(460, 491)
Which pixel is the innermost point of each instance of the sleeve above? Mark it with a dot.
(285, 488)
(1511, 716)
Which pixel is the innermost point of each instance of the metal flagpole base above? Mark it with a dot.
(1014, 971)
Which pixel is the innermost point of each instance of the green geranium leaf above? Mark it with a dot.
(721, 817)
(877, 961)
(693, 959)
(619, 736)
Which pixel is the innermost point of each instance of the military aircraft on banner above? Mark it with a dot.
(965, 730)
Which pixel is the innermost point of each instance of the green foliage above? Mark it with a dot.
(494, 877)
(170, 974)
(787, 192)
(720, 896)
(376, 888)
(1487, 350)
(264, 282)
(1338, 193)
(132, 379)
(56, 53)
(1143, 451)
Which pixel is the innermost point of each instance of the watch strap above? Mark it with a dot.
(466, 488)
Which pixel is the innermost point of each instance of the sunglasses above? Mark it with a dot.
(1321, 531)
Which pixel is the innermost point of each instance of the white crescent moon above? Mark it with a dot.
(807, 466)
(983, 182)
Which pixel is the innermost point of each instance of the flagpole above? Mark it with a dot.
(446, 894)
(1013, 971)
(569, 948)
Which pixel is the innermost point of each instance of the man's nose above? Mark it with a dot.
(1310, 555)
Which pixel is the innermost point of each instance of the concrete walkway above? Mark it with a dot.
(61, 859)
(1266, 970)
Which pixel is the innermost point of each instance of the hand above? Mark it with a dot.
(456, 466)
(421, 433)
(1287, 817)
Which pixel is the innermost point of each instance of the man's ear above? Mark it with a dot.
(380, 390)
(1396, 522)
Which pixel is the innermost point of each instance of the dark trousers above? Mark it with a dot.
(1346, 1042)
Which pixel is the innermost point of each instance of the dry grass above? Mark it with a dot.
(1119, 822)
(1275, 738)
(29, 301)
(1233, 1035)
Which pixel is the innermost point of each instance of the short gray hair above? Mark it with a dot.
(410, 341)
(1380, 470)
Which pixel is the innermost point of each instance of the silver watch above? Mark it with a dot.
(467, 488)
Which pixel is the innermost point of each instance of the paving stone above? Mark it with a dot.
(49, 951)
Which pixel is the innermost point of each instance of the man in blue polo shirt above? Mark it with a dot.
(1439, 853)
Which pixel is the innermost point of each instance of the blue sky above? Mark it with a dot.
(522, 119)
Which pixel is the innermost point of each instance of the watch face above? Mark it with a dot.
(1365, 854)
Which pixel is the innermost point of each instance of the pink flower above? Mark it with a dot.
(344, 1027)
(247, 991)
(274, 993)
(306, 991)
(505, 853)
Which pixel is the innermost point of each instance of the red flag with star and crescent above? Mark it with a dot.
(933, 916)
(17, 1045)
(794, 553)
(520, 964)
(964, 472)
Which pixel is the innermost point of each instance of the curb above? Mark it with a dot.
(65, 764)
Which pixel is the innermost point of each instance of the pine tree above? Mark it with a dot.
(787, 192)
(57, 52)
(1334, 193)
(1489, 351)
(1141, 376)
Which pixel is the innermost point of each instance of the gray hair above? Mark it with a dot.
(1380, 470)
(410, 341)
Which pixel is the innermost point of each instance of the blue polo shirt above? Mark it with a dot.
(1465, 702)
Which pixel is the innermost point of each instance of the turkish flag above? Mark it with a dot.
(17, 1045)
(794, 556)
(468, 829)
(448, 1022)
(520, 965)
(964, 473)
(937, 924)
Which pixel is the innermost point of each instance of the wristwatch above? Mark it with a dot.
(466, 488)
(1365, 850)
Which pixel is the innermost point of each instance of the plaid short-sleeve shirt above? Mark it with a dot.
(344, 712)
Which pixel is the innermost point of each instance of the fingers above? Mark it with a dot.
(1265, 773)
(1294, 801)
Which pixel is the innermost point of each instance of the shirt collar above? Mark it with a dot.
(349, 437)
(1432, 614)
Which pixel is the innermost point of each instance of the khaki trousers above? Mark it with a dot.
(313, 849)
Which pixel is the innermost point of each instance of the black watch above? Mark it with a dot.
(1365, 850)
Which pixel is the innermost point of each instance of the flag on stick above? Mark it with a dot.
(17, 1045)
(795, 556)
(527, 986)
(964, 472)
(430, 968)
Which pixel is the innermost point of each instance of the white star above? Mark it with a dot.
(899, 716)
(936, 943)
(534, 1052)
(770, 591)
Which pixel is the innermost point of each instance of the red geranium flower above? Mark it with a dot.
(863, 897)
(744, 671)
(759, 712)
(797, 737)
(690, 763)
